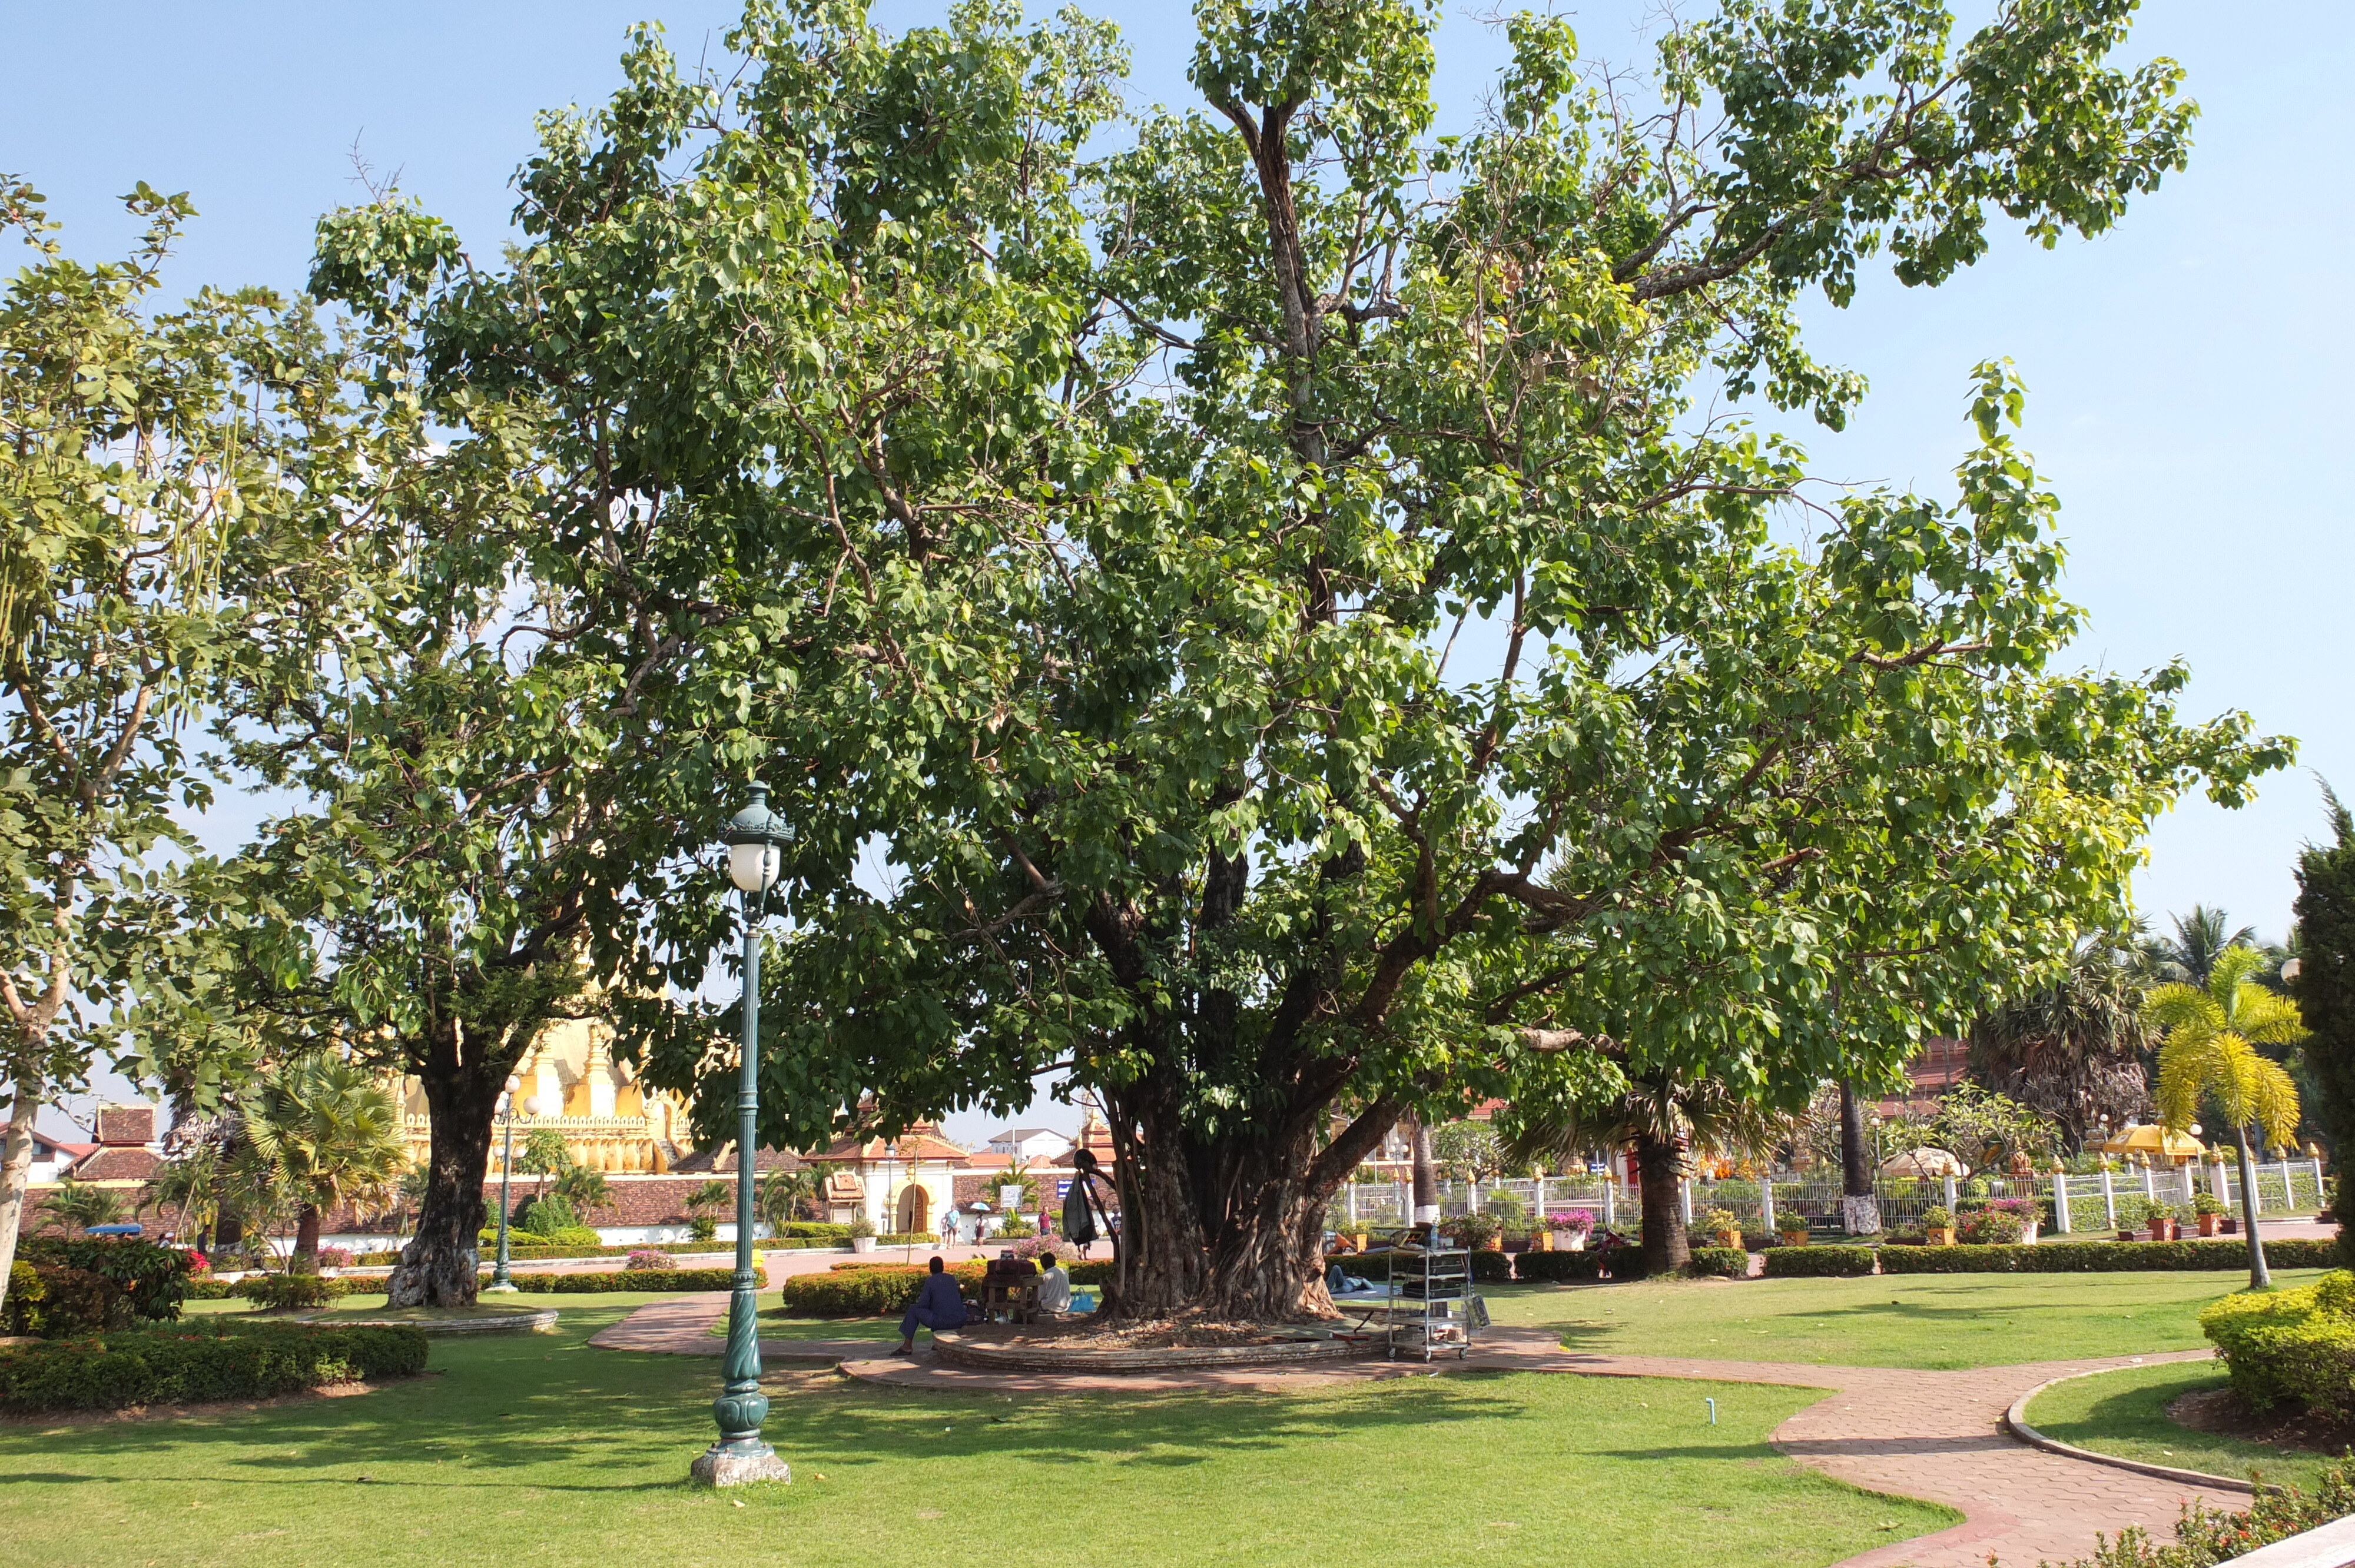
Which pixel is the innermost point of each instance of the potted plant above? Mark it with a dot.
(1480, 1232)
(2026, 1211)
(1791, 1230)
(2162, 1223)
(862, 1234)
(1570, 1227)
(1938, 1225)
(1721, 1223)
(2207, 1209)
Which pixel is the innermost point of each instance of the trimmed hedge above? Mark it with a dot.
(1820, 1262)
(2293, 1344)
(877, 1292)
(1623, 1263)
(590, 1284)
(1719, 1263)
(2105, 1257)
(1487, 1267)
(186, 1365)
(283, 1292)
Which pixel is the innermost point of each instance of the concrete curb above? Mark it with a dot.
(2015, 1421)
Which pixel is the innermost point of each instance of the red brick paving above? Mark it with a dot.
(1931, 1435)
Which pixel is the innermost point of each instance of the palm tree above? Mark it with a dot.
(1668, 1121)
(76, 1206)
(189, 1184)
(2209, 1053)
(2073, 1051)
(784, 1195)
(325, 1131)
(582, 1188)
(2189, 956)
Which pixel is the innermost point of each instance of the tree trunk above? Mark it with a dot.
(15, 1175)
(1667, 1247)
(2260, 1278)
(1859, 1210)
(437, 1269)
(1426, 1177)
(1231, 1228)
(306, 1241)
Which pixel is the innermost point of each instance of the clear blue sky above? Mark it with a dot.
(2186, 370)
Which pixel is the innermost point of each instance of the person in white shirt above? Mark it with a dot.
(1054, 1285)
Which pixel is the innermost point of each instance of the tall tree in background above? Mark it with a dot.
(2210, 1055)
(1095, 534)
(170, 491)
(1667, 1124)
(2073, 1050)
(2325, 986)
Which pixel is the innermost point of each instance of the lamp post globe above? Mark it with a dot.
(755, 838)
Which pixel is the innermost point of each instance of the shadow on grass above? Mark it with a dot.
(550, 1414)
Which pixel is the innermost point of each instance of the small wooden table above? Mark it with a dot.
(1010, 1301)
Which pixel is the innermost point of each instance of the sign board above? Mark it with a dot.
(1009, 1196)
(1062, 1187)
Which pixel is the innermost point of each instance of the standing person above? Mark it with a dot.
(939, 1304)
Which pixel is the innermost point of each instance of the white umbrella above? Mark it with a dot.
(1923, 1161)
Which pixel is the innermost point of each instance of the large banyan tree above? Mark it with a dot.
(1262, 612)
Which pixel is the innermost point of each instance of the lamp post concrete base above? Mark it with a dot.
(715, 1468)
(500, 1290)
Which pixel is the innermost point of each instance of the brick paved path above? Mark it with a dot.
(1933, 1434)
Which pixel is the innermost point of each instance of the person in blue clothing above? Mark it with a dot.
(939, 1304)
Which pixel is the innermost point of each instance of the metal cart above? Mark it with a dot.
(1431, 1307)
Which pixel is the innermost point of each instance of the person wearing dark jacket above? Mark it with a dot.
(939, 1304)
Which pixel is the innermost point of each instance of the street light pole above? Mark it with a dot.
(755, 844)
(500, 1281)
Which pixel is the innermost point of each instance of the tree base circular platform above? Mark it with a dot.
(1052, 1349)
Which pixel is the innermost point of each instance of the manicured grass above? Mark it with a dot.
(1927, 1320)
(2125, 1412)
(542, 1451)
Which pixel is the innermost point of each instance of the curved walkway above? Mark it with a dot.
(1933, 1435)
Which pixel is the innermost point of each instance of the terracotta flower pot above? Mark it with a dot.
(2162, 1230)
(1942, 1235)
(2208, 1224)
(1729, 1239)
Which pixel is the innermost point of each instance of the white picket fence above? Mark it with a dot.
(2087, 1204)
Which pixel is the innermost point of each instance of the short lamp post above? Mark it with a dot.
(500, 1280)
(756, 839)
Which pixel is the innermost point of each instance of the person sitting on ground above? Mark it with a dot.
(939, 1304)
(1054, 1285)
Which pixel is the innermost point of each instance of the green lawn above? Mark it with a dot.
(1928, 1320)
(537, 1450)
(2125, 1412)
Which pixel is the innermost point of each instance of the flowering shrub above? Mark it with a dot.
(1577, 1222)
(647, 1257)
(334, 1258)
(1991, 1226)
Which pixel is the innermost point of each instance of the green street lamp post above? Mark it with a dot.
(756, 838)
(500, 1280)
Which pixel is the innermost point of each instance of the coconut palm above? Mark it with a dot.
(323, 1131)
(2189, 957)
(1668, 1121)
(2073, 1051)
(2209, 1053)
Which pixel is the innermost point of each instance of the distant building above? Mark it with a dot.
(1020, 1144)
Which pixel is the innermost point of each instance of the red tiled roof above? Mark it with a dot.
(723, 1162)
(117, 1164)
